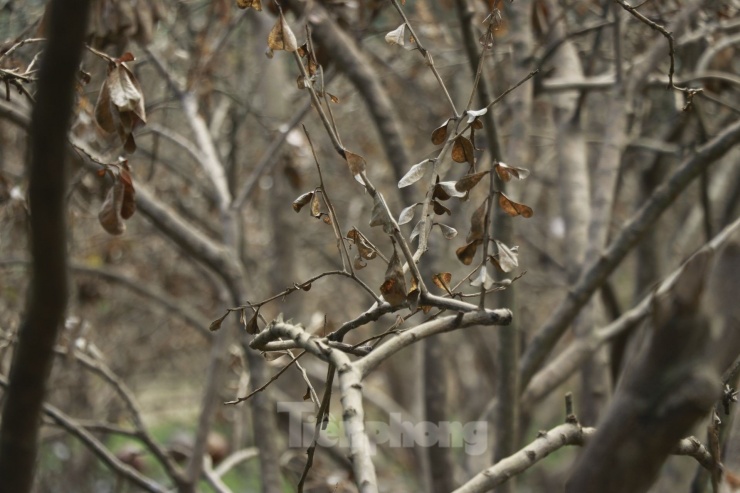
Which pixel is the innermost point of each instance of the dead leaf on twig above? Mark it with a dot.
(393, 288)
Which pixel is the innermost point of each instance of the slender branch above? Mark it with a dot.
(294, 359)
(598, 271)
(548, 442)
(427, 329)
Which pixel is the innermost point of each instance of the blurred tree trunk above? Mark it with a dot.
(47, 296)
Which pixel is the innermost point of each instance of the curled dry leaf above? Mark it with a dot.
(506, 172)
(393, 288)
(120, 106)
(396, 37)
(407, 214)
(355, 162)
(439, 135)
(316, 206)
(250, 4)
(466, 253)
(302, 200)
(447, 231)
(415, 173)
(507, 259)
(442, 281)
(514, 208)
(216, 324)
(281, 37)
(110, 212)
(462, 150)
(252, 327)
(363, 246)
(466, 183)
(477, 223)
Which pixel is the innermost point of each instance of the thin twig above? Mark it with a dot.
(294, 359)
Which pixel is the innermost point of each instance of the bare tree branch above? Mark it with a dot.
(592, 277)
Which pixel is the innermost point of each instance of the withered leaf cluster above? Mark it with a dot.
(120, 106)
(313, 198)
(366, 251)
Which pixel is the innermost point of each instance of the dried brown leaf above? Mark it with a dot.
(110, 212)
(393, 288)
(466, 253)
(281, 37)
(462, 151)
(506, 172)
(316, 206)
(477, 223)
(363, 245)
(125, 92)
(250, 4)
(302, 200)
(439, 209)
(355, 162)
(442, 281)
(216, 324)
(252, 327)
(128, 206)
(514, 208)
(439, 135)
(120, 107)
(103, 114)
(466, 183)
